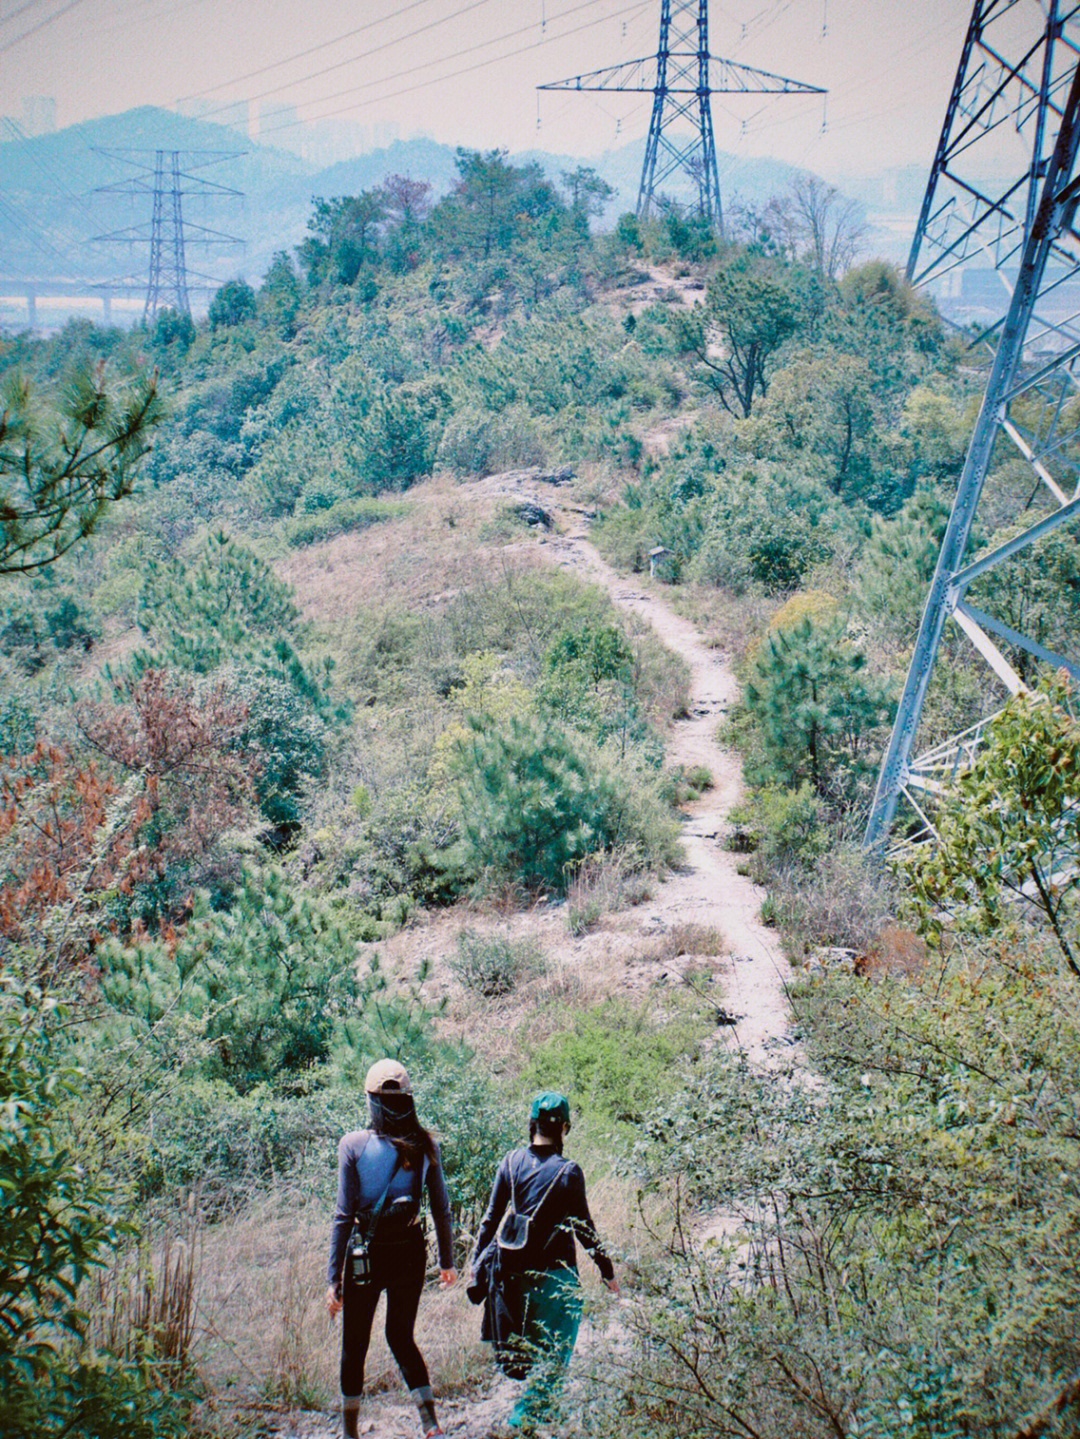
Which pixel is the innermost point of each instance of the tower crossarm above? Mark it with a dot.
(682, 77)
(727, 78)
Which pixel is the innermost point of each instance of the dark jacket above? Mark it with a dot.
(365, 1164)
(565, 1210)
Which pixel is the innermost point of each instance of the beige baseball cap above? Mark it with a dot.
(388, 1074)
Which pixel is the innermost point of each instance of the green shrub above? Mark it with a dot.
(887, 1259)
(782, 827)
(226, 1146)
(477, 443)
(59, 1225)
(683, 784)
(475, 1123)
(263, 985)
(494, 964)
(341, 518)
(618, 1059)
(817, 708)
(534, 805)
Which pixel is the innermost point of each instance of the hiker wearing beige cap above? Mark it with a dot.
(378, 1239)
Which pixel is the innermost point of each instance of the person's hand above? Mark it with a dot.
(333, 1302)
(447, 1278)
(612, 1284)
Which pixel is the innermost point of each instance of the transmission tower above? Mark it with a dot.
(1018, 82)
(678, 78)
(167, 179)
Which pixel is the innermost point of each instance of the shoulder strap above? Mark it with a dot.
(559, 1174)
(540, 1202)
(376, 1213)
(515, 1174)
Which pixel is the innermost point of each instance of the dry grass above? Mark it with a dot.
(690, 941)
(143, 1306)
(728, 622)
(422, 558)
(602, 884)
(263, 1326)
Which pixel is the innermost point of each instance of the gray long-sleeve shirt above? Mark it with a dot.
(365, 1163)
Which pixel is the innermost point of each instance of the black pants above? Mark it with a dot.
(400, 1269)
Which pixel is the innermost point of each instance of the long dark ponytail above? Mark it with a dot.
(393, 1117)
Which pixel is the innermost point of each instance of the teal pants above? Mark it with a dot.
(552, 1317)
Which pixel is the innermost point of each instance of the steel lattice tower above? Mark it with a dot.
(1019, 81)
(678, 78)
(167, 179)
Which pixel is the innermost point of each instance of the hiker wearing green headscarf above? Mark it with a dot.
(525, 1256)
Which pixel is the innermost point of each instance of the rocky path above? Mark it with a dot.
(708, 891)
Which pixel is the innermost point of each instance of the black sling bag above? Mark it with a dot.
(361, 1240)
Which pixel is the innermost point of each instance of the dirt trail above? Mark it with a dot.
(708, 890)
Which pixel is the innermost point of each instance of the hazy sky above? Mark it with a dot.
(465, 71)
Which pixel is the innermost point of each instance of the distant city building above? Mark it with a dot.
(39, 114)
(193, 109)
(237, 116)
(278, 125)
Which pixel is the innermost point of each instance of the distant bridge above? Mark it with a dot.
(103, 292)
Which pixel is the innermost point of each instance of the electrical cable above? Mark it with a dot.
(413, 69)
(303, 54)
(48, 20)
(455, 74)
(26, 5)
(353, 59)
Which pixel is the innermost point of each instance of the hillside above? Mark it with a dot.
(52, 212)
(482, 656)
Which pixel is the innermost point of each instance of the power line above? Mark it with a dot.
(303, 54)
(352, 59)
(27, 5)
(465, 70)
(48, 20)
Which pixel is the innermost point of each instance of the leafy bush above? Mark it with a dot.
(476, 443)
(617, 1059)
(59, 1225)
(475, 1122)
(1009, 828)
(341, 518)
(888, 1264)
(494, 964)
(782, 827)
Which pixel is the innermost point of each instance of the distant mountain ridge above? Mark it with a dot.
(48, 211)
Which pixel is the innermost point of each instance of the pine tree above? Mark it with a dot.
(815, 706)
(65, 460)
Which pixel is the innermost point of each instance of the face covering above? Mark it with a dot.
(393, 1114)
